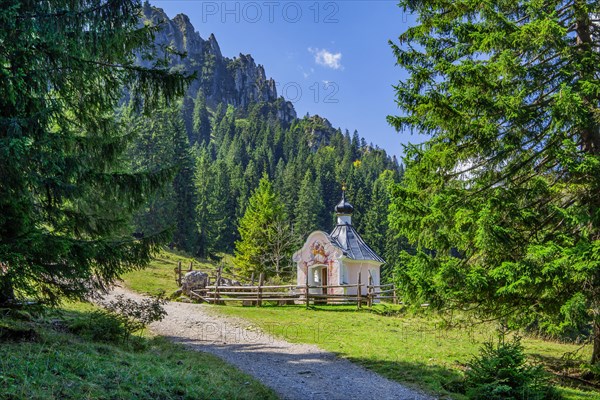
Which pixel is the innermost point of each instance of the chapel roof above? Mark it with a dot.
(344, 206)
(347, 238)
(354, 247)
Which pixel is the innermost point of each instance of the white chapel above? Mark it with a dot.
(338, 258)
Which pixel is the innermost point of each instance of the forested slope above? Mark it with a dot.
(229, 131)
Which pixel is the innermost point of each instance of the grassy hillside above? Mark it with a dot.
(45, 359)
(160, 274)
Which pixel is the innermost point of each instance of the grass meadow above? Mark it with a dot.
(417, 350)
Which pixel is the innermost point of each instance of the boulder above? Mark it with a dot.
(224, 282)
(228, 282)
(194, 280)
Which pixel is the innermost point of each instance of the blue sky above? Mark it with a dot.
(330, 58)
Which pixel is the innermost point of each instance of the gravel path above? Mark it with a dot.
(294, 371)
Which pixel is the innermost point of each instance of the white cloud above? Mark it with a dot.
(326, 58)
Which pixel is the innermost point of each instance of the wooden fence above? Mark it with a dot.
(180, 271)
(366, 293)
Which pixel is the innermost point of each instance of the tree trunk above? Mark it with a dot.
(590, 142)
(596, 343)
(6, 292)
(590, 135)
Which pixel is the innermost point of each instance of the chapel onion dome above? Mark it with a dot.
(344, 207)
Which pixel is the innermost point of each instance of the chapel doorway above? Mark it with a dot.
(324, 275)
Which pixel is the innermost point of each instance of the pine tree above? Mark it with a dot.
(355, 145)
(185, 236)
(201, 122)
(505, 193)
(289, 188)
(359, 194)
(376, 224)
(220, 210)
(309, 207)
(261, 229)
(152, 149)
(66, 195)
(204, 187)
(330, 187)
(162, 141)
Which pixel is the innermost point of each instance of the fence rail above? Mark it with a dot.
(366, 293)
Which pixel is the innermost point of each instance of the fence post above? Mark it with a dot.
(178, 272)
(261, 277)
(191, 266)
(306, 288)
(218, 280)
(395, 299)
(252, 280)
(358, 293)
(370, 291)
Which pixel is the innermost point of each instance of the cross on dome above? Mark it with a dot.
(344, 207)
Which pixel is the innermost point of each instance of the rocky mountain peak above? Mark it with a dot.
(214, 46)
(191, 42)
(238, 81)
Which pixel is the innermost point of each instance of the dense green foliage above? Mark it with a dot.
(66, 194)
(215, 210)
(161, 142)
(310, 208)
(306, 162)
(74, 170)
(376, 228)
(501, 372)
(266, 240)
(502, 202)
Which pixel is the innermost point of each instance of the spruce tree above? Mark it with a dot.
(187, 111)
(66, 194)
(161, 141)
(185, 235)
(289, 188)
(355, 145)
(204, 187)
(309, 207)
(376, 223)
(502, 201)
(200, 120)
(359, 194)
(220, 210)
(152, 149)
(261, 229)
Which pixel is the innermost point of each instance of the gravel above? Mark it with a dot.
(294, 371)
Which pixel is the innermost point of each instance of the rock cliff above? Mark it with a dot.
(238, 81)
